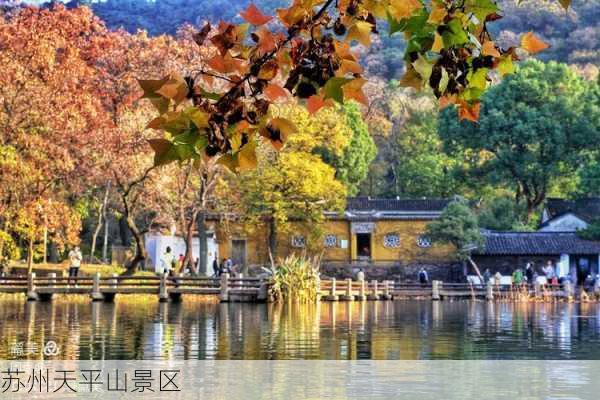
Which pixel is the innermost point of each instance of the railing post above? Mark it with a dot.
(347, 296)
(489, 291)
(114, 282)
(361, 291)
(435, 290)
(374, 295)
(224, 295)
(332, 292)
(597, 287)
(52, 279)
(163, 295)
(96, 295)
(569, 293)
(537, 289)
(31, 293)
(386, 291)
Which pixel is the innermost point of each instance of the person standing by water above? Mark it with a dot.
(215, 267)
(487, 276)
(167, 261)
(517, 277)
(529, 272)
(75, 258)
(360, 275)
(423, 276)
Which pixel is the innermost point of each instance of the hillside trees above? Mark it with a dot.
(536, 127)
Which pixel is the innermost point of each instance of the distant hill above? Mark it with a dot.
(574, 35)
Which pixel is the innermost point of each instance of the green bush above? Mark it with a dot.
(296, 278)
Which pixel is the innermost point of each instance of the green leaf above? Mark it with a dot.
(333, 89)
(478, 79)
(506, 65)
(164, 151)
(480, 8)
(423, 67)
(454, 34)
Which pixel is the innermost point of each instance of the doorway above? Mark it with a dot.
(363, 245)
(238, 252)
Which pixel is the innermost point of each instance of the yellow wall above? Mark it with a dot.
(408, 252)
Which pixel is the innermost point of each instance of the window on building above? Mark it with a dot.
(298, 241)
(423, 241)
(330, 241)
(391, 240)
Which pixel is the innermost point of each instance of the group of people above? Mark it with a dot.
(226, 266)
(528, 275)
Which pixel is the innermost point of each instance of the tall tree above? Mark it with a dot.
(352, 165)
(535, 128)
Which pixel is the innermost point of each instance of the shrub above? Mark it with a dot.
(296, 278)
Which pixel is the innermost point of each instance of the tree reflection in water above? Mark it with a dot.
(138, 327)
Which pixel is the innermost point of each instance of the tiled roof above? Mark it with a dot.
(537, 243)
(587, 209)
(400, 205)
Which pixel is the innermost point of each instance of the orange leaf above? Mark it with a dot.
(445, 101)
(274, 92)
(469, 111)
(532, 43)
(350, 66)
(254, 16)
(489, 49)
(315, 103)
(266, 40)
(353, 90)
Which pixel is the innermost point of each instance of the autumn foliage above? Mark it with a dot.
(223, 108)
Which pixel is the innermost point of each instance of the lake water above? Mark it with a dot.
(138, 327)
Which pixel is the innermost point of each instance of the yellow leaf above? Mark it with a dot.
(438, 13)
(361, 32)
(246, 157)
(438, 43)
(277, 131)
(401, 9)
(532, 43)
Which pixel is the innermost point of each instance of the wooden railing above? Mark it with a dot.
(106, 288)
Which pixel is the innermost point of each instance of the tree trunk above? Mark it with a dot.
(476, 268)
(105, 243)
(124, 232)
(101, 215)
(189, 253)
(273, 238)
(30, 256)
(53, 250)
(45, 258)
(202, 244)
(140, 250)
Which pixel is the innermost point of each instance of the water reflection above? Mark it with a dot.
(141, 328)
